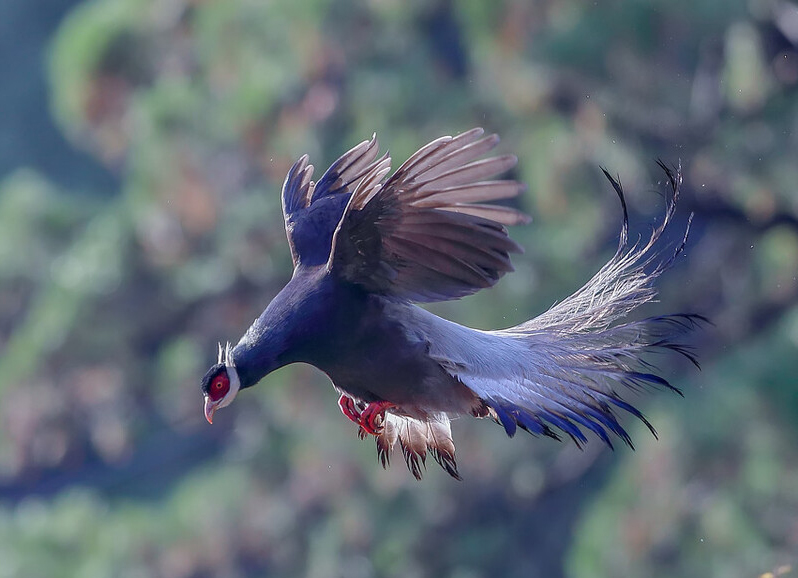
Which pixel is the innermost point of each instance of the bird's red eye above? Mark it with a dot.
(219, 387)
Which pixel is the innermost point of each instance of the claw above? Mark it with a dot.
(349, 408)
(372, 418)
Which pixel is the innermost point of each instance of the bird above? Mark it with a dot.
(369, 248)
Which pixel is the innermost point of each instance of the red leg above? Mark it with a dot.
(372, 417)
(349, 408)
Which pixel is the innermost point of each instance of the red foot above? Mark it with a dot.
(372, 418)
(349, 408)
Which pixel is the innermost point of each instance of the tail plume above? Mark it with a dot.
(574, 357)
(625, 281)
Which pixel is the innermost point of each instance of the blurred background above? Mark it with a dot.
(142, 147)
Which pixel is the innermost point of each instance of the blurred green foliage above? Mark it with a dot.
(110, 307)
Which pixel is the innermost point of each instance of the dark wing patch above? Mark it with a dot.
(425, 234)
(312, 210)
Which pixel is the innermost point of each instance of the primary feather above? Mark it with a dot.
(367, 245)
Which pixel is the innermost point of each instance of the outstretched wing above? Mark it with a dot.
(424, 234)
(312, 211)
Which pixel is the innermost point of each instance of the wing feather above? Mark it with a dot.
(472, 172)
(312, 211)
(296, 186)
(462, 153)
(346, 173)
(468, 193)
(425, 233)
(499, 214)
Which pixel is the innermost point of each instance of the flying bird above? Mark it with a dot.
(366, 247)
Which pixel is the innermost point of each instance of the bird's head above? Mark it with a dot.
(220, 384)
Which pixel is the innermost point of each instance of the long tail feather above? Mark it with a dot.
(565, 369)
(624, 283)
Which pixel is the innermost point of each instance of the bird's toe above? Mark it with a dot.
(373, 417)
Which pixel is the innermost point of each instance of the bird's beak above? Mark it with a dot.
(210, 407)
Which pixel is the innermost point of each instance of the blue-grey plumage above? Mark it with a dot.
(366, 247)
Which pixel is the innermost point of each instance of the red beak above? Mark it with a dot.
(210, 407)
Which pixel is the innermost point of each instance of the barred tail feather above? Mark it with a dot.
(416, 438)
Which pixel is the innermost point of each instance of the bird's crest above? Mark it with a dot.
(224, 355)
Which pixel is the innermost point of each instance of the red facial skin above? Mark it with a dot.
(219, 388)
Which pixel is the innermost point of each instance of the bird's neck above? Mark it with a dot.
(290, 325)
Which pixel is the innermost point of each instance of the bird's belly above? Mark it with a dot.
(404, 376)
